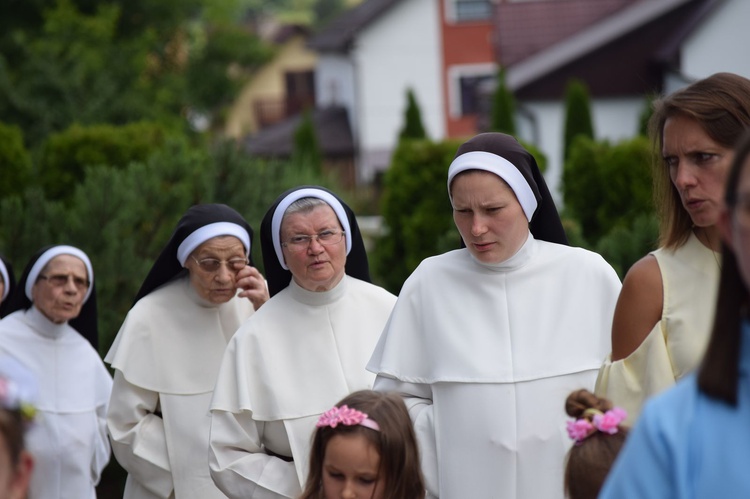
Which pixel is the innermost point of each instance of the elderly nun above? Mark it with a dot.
(301, 353)
(50, 330)
(486, 342)
(167, 353)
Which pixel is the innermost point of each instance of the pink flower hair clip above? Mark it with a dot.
(346, 416)
(606, 422)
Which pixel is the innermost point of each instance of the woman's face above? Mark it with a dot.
(738, 224)
(698, 167)
(350, 468)
(315, 267)
(60, 288)
(217, 285)
(488, 216)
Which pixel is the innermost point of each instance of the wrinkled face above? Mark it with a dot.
(698, 167)
(737, 234)
(350, 468)
(488, 216)
(59, 291)
(314, 266)
(219, 285)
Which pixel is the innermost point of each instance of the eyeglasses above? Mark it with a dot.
(60, 280)
(213, 265)
(302, 242)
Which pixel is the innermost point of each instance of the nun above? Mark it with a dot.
(7, 284)
(50, 329)
(166, 355)
(486, 342)
(301, 353)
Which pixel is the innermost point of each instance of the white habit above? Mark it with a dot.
(166, 357)
(294, 359)
(485, 356)
(69, 436)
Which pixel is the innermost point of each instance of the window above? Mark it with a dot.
(470, 91)
(472, 10)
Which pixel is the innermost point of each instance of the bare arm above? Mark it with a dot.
(638, 308)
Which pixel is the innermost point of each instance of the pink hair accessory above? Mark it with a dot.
(346, 416)
(606, 422)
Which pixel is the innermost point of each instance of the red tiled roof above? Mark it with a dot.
(524, 28)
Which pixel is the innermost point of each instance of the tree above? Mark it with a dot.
(416, 210)
(413, 128)
(503, 107)
(577, 114)
(306, 149)
(15, 161)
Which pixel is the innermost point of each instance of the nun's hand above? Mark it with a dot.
(253, 286)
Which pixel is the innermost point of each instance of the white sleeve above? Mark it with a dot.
(239, 465)
(418, 400)
(101, 447)
(138, 438)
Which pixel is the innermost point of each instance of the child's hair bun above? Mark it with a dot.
(581, 400)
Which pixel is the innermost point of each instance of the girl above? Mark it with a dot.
(598, 438)
(16, 413)
(365, 447)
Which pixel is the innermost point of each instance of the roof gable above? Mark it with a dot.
(339, 34)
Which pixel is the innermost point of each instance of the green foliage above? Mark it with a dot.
(577, 114)
(217, 65)
(67, 153)
(539, 156)
(413, 128)
(122, 217)
(415, 209)
(306, 149)
(326, 10)
(15, 161)
(503, 107)
(624, 245)
(607, 186)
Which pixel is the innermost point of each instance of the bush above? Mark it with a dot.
(413, 128)
(415, 209)
(15, 161)
(503, 107)
(577, 114)
(606, 186)
(66, 154)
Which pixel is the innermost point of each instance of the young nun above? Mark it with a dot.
(486, 342)
(53, 309)
(167, 353)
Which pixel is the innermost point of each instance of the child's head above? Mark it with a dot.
(367, 448)
(16, 463)
(598, 438)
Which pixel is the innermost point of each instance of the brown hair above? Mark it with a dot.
(399, 476)
(719, 372)
(589, 461)
(721, 105)
(11, 434)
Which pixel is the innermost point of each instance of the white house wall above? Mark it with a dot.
(399, 50)
(334, 85)
(720, 42)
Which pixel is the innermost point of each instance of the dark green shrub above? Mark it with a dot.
(413, 128)
(15, 161)
(577, 114)
(415, 209)
(503, 107)
(306, 149)
(68, 153)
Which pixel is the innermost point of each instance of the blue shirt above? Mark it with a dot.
(687, 445)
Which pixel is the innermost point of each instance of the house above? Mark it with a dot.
(372, 54)
(280, 89)
(640, 48)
